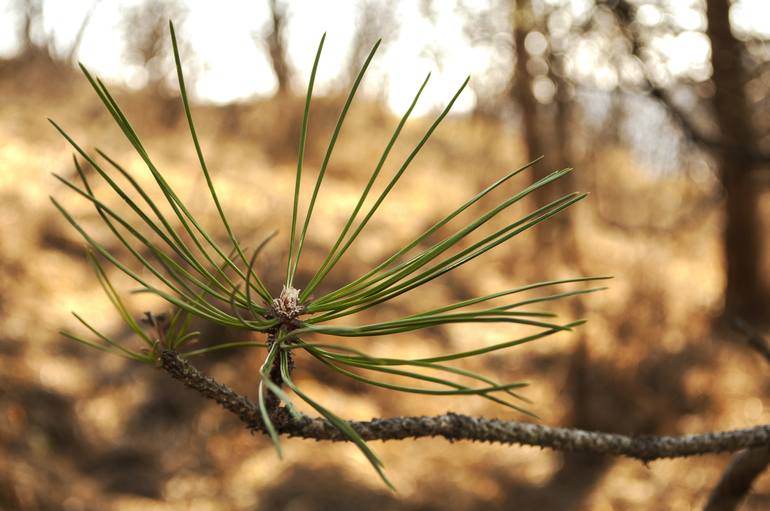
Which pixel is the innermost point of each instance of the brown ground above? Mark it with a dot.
(80, 430)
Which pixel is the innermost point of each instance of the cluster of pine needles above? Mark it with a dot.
(182, 263)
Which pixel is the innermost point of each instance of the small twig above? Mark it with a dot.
(272, 401)
(461, 427)
(753, 338)
(746, 465)
(736, 482)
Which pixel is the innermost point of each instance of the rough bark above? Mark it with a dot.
(455, 427)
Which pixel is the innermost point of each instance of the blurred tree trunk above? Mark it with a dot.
(522, 94)
(75, 46)
(374, 20)
(562, 104)
(32, 11)
(276, 46)
(744, 295)
(561, 156)
(521, 85)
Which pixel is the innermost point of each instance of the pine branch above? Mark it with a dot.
(461, 427)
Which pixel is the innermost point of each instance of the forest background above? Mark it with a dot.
(661, 106)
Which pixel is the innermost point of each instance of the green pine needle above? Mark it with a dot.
(175, 258)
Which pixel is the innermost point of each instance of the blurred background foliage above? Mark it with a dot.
(660, 105)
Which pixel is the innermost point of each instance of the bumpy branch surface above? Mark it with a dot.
(461, 427)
